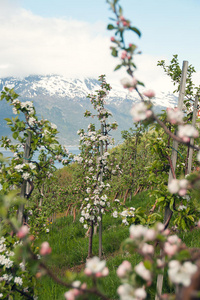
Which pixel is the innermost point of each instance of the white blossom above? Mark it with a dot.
(25, 175)
(142, 271)
(95, 265)
(18, 280)
(185, 132)
(115, 214)
(181, 274)
(175, 116)
(140, 112)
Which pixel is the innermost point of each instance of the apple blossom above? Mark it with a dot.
(181, 273)
(170, 249)
(178, 186)
(149, 94)
(23, 231)
(142, 271)
(94, 266)
(185, 132)
(124, 268)
(45, 248)
(140, 112)
(124, 54)
(175, 116)
(140, 293)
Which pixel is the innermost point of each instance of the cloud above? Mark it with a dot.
(31, 44)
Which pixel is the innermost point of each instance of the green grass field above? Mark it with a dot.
(70, 248)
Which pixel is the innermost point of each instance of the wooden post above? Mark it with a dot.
(168, 211)
(175, 143)
(42, 187)
(27, 150)
(194, 117)
(100, 214)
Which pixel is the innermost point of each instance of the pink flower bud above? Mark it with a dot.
(23, 231)
(149, 94)
(45, 248)
(122, 18)
(125, 23)
(124, 54)
(69, 295)
(88, 272)
(112, 39)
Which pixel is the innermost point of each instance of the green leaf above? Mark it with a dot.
(8, 120)
(183, 225)
(15, 135)
(114, 52)
(140, 83)
(110, 27)
(117, 67)
(147, 264)
(136, 31)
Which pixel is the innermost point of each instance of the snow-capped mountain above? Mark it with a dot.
(63, 101)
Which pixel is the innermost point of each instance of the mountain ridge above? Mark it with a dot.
(63, 101)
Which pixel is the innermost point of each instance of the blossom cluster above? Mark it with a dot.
(140, 112)
(10, 274)
(94, 160)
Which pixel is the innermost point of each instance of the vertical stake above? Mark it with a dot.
(27, 150)
(101, 178)
(168, 211)
(194, 117)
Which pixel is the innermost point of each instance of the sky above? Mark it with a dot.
(69, 37)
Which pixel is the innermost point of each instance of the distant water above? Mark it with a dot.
(72, 149)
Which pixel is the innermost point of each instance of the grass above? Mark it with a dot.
(70, 248)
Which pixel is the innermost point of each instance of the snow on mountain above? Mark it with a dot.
(63, 101)
(59, 86)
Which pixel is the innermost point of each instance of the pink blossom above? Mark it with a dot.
(150, 235)
(140, 293)
(147, 249)
(149, 94)
(185, 132)
(174, 115)
(124, 268)
(170, 249)
(70, 295)
(124, 54)
(140, 112)
(122, 18)
(112, 39)
(126, 23)
(45, 248)
(103, 273)
(127, 83)
(174, 239)
(94, 266)
(178, 186)
(142, 271)
(23, 231)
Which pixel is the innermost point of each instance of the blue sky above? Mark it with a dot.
(70, 37)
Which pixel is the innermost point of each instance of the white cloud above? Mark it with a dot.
(32, 44)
